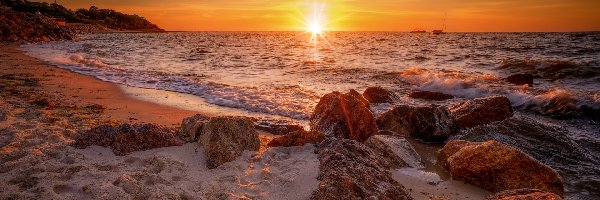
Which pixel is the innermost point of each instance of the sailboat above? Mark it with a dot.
(440, 31)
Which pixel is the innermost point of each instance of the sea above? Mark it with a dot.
(283, 74)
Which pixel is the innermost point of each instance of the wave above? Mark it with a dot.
(551, 69)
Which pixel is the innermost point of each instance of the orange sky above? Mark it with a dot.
(361, 15)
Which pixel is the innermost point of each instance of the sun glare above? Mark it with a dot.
(315, 28)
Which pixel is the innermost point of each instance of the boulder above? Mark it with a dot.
(126, 138)
(428, 95)
(297, 138)
(496, 167)
(378, 95)
(278, 127)
(429, 124)
(524, 194)
(550, 145)
(191, 128)
(480, 111)
(225, 138)
(520, 79)
(395, 151)
(344, 116)
(351, 170)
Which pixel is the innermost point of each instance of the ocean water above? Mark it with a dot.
(283, 74)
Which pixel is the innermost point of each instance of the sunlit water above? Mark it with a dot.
(282, 74)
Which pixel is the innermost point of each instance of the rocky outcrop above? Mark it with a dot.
(480, 111)
(549, 145)
(191, 128)
(524, 194)
(351, 170)
(17, 26)
(394, 151)
(378, 95)
(225, 138)
(277, 127)
(126, 138)
(497, 167)
(520, 79)
(344, 116)
(428, 95)
(429, 124)
(297, 138)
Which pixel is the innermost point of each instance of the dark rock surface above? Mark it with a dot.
(520, 79)
(225, 138)
(378, 95)
(497, 167)
(344, 116)
(297, 138)
(395, 151)
(480, 111)
(191, 128)
(523, 194)
(277, 127)
(351, 170)
(428, 95)
(127, 138)
(429, 124)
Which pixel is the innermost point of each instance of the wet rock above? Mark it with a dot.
(524, 194)
(480, 111)
(297, 138)
(394, 151)
(520, 79)
(126, 138)
(428, 95)
(277, 127)
(497, 167)
(351, 170)
(550, 145)
(429, 124)
(191, 128)
(344, 116)
(378, 95)
(44, 102)
(225, 138)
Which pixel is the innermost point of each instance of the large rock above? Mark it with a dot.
(277, 127)
(520, 79)
(428, 95)
(126, 138)
(225, 138)
(191, 128)
(297, 138)
(550, 145)
(524, 194)
(429, 124)
(344, 116)
(351, 170)
(395, 151)
(481, 111)
(378, 95)
(497, 167)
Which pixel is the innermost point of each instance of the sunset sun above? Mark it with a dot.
(315, 28)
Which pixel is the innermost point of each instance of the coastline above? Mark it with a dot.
(82, 90)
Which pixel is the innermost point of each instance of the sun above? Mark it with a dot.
(315, 28)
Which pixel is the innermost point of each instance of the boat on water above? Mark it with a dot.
(437, 32)
(418, 31)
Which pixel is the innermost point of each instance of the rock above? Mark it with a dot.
(351, 170)
(428, 95)
(550, 145)
(344, 116)
(191, 128)
(395, 151)
(429, 124)
(524, 194)
(480, 111)
(297, 138)
(496, 167)
(277, 127)
(520, 79)
(378, 95)
(126, 138)
(225, 138)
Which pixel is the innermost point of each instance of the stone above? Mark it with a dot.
(496, 167)
(428, 124)
(344, 116)
(277, 127)
(428, 95)
(225, 138)
(524, 194)
(297, 138)
(126, 138)
(351, 170)
(480, 111)
(378, 95)
(191, 128)
(520, 79)
(394, 151)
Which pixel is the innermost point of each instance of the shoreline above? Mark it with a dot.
(84, 90)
